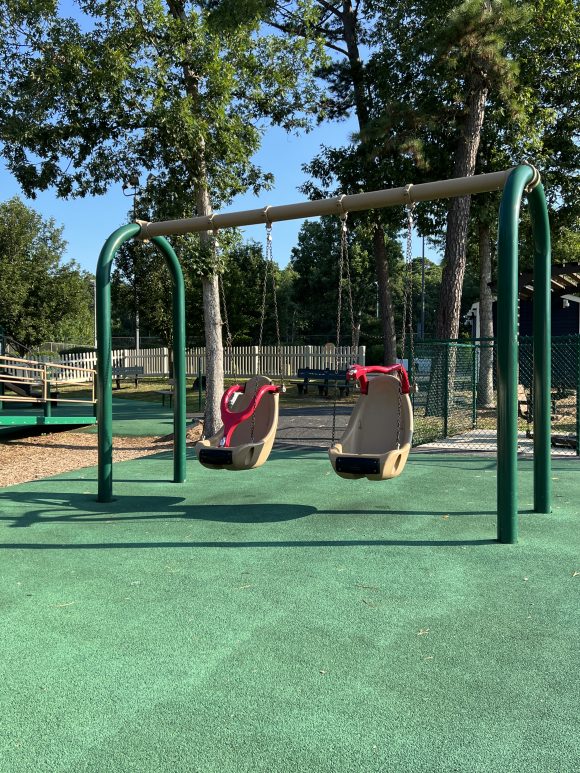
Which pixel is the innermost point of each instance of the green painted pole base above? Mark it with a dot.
(104, 359)
(507, 352)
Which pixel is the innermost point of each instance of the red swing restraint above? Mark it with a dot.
(359, 372)
(231, 419)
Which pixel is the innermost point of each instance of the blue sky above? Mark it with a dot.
(88, 222)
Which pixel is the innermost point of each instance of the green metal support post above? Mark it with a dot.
(542, 351)
(47, 403)
(507, 351)
(104, 364)
(474, 386)
(445, 376)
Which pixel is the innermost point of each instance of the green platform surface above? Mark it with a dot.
(131, 418)
(284, 619)
(20, 420)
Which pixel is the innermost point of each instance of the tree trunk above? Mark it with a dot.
(455, 255)
(385, 297)
(210, 288)
(212, 321)
(458, 219)
(214, 355)
(349, 26)
(361, 104)
(485, 383)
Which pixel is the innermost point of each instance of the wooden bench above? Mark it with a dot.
(322, 378)
(130, 371)
(167, 393)
(170, 393)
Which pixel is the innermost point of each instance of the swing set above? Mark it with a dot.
(377, 440)
(371, 446)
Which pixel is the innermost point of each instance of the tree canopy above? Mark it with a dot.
(181, 93)
(43, 297)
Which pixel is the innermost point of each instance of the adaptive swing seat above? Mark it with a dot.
(243, 442)
(377, 439)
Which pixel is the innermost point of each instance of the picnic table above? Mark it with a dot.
(322, 378)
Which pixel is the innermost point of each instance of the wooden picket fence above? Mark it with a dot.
(243, 361)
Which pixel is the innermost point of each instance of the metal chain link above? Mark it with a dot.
(409, 257)
(268, 259)
(342, 255)
(278, 342)
(222, 293)
(343, 227)
(344, 249)
(264, 291)
(276, 320)
(407, 313)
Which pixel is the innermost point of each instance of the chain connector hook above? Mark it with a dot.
(214, 230)
(410, 204)
(343, 213)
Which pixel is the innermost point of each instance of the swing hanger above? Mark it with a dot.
(410, 204)
(342, 212)
(268, 222)
(214, 228)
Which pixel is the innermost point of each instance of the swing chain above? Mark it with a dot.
(262, 317)
(270, 262)
(344, 249)
(399, 401)
(222, 293)
(343, 254)
(264, 291)
(407, 309)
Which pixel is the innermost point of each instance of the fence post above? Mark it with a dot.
(47, 404)
(307, 356)
(474, 387)
(255, 360)
(445, 375)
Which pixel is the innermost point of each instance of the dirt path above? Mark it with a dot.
(31, 458)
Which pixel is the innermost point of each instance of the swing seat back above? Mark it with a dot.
(369, 447)
(233, 448)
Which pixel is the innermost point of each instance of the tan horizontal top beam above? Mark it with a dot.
(337, 205)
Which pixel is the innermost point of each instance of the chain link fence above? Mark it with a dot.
(455, 405)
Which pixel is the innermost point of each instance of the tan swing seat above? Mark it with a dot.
(376, 442)
(236, 446)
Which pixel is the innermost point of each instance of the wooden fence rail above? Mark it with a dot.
(242, 361)
(34, 381)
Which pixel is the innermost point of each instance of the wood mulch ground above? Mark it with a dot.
(32, 458)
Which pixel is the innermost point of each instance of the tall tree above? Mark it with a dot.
(343, 27)
(450, 57)
(179, 90)
(43, 298)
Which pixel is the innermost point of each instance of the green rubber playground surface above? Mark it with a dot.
(283, 620)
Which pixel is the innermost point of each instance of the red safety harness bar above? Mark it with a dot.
(360, 372)
(231, 419)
